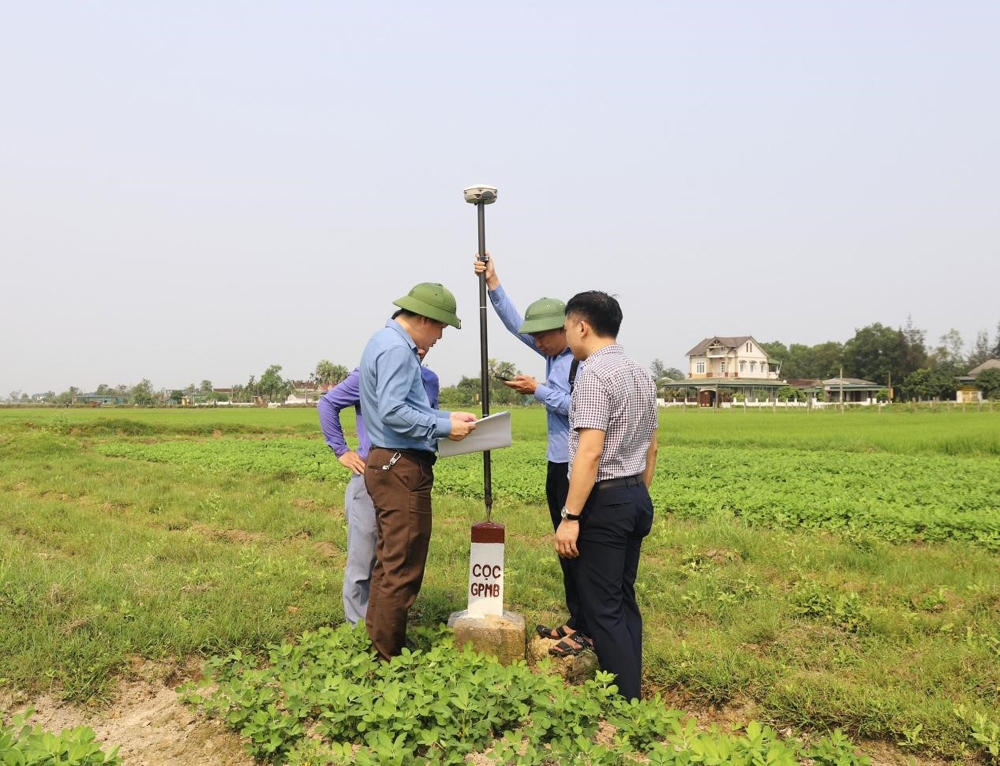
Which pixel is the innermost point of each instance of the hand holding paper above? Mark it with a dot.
(462, 424)
(492, 432)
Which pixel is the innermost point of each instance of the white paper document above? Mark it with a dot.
(491, 432)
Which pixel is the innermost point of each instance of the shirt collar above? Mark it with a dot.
(392, 324)
(612, 349)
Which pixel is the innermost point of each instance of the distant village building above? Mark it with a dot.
(304, 392)
(99, 400)
(839, 390)
(731, 357)
(968, 392)
(727, 369)
(724, 368)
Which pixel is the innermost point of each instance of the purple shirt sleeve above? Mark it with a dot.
(345, 394)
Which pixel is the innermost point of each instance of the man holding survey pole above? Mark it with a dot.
(542, 330)
(399, 472)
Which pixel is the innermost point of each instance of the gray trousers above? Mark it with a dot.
(362, 533)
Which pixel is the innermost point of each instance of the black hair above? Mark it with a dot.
(600, 310)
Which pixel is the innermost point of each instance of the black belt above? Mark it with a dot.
(418, 454)
(626, 481)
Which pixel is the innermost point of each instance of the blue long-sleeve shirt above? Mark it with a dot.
(346, 394)
(554, 393)
(398, 412)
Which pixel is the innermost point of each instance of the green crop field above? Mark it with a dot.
(815, 570)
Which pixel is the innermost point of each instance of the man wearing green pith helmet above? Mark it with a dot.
(542, 330)
(399, 472)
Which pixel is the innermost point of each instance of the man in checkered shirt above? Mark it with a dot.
(612, 453)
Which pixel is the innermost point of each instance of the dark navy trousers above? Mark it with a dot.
(556, 489)
(615, 520)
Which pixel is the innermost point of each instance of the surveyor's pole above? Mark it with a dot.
(484, 360)
(481, 196)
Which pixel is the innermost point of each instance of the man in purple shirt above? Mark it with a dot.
(359, 510)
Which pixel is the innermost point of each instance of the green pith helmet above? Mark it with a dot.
(431, 300)
(544, 314)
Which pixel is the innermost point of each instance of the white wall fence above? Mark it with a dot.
(763, 403)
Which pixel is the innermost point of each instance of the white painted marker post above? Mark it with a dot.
(486, 570)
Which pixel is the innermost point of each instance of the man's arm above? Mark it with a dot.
(581, 484)
(556, 397)
(647, 475)
(502, 305)
(345, 394)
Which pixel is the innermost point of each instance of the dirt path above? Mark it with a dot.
(149, 724)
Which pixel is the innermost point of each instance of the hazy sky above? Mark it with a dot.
(194, 190)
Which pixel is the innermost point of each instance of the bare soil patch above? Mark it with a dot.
(146, 720)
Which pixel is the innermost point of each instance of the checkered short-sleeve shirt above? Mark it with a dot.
(615, 395)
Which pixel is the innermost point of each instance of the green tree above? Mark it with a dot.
(988, 381)
(941, 382)
(790, 393)
(468, 391)
(945, 382)
(499, 393)
(661, 372)
(142, 393)
(916, 385)
(874, 353)
(329, 374)
(776, 352)
(205, 388)
(273, 386)
(981, 350)
(799, 362)
(448, 398)
(250, 391)
(950, 350)
(913, 349)
(827, 360)
(68, 396)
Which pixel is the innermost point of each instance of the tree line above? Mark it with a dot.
(899, 359)
(269, 386)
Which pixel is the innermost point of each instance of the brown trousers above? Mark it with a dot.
(402, 498)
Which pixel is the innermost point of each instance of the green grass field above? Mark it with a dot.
(818, 570)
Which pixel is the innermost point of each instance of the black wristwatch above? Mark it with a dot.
(569, 516)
